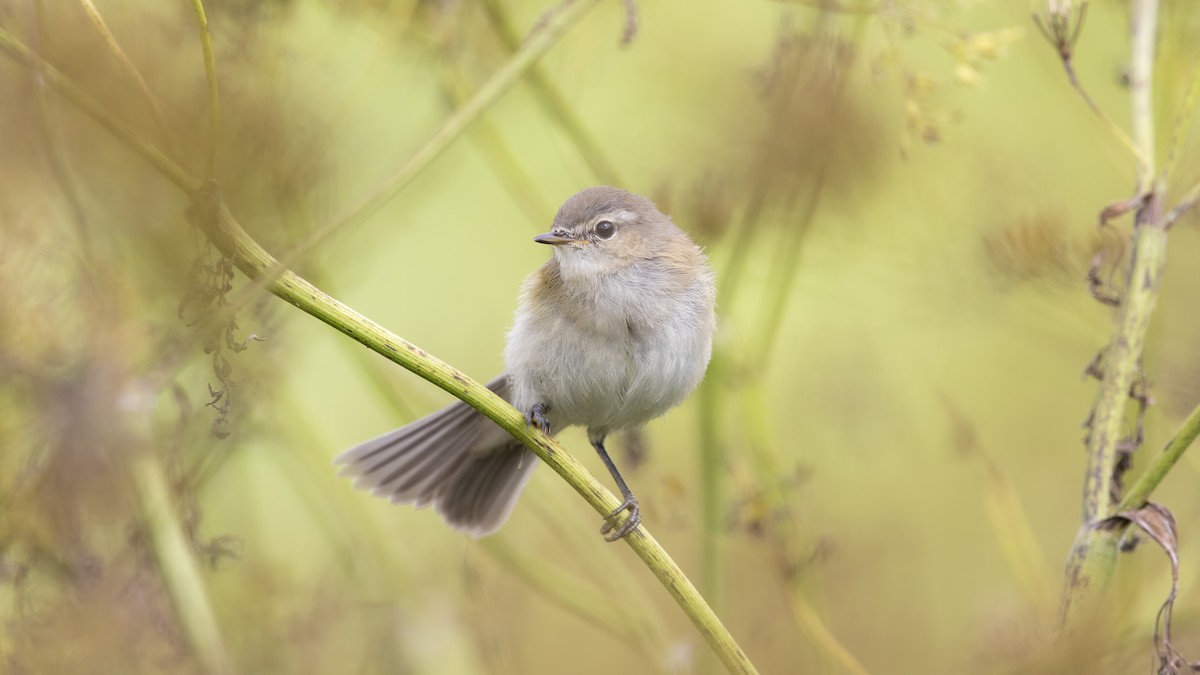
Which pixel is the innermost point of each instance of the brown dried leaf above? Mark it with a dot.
(1157, 522)
(1120, 208)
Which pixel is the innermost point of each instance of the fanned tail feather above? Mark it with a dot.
(471, 470)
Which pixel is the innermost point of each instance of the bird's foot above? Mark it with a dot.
(610, 521)
(537, 417)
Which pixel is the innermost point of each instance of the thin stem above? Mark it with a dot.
(58, 159)
(1157, 471)
(214, 99)
(1145, 159)
(178, 565)
(1189, 202)
(538, 44)
(1144, 20)
(149, 152)
(1183, 123)
(132, 72)
(499, 155)
(784, 272)
(712, 473)
(552, 100)
(545, 37)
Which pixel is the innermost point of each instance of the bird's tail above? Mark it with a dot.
(469, 468)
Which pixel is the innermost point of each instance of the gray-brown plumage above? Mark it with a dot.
(611, 332)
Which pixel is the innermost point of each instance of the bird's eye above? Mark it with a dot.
(605, 229)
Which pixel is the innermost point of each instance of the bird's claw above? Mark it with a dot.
(610, 521)
(537, 417)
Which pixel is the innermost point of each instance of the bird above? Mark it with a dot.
(614, 330)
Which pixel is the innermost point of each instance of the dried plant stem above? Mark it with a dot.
(254, 261)
(178, 566)
(214, 99)
(1094, 555)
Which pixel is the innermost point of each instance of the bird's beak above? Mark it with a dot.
(558, 239)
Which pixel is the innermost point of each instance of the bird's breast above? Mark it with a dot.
(612, 355)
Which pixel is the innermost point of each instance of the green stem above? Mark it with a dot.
(254, 261)
(1139, 494)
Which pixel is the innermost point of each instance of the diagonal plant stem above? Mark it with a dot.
(1061, 26)
(132, 72)
(214, 99)
(553, 101)
(613, 615)
(227, 234)
(1158, 469)
(538, 43)
(63, 85)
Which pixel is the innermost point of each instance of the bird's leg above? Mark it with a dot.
(630, 504)
(537, 416)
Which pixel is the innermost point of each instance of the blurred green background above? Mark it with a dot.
(882, 472)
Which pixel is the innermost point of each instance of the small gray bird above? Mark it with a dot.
(614, 330)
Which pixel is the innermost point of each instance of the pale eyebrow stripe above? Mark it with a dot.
(622, 216)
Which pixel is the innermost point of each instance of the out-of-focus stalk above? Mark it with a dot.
(214, 99)
(178, 566)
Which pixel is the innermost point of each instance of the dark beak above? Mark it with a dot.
(557, 239)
